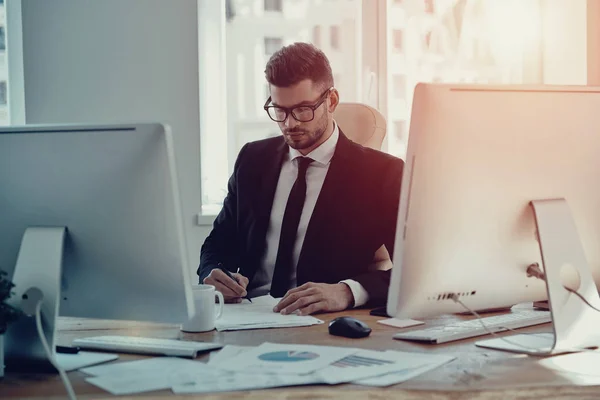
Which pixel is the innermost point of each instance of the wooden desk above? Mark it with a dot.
(475, 374)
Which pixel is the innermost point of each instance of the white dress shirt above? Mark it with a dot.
(315, 176)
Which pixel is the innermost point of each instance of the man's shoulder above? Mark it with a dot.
(260, 150)
(373, 157)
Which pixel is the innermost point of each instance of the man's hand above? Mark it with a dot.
(233, 291)
(312, 297)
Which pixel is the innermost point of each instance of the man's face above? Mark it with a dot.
(303, 136)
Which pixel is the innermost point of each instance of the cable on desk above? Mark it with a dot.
(454, 297)
(61, 372)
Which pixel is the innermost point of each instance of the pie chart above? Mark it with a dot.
(288, 356)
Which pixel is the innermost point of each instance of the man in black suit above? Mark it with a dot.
(307, 214)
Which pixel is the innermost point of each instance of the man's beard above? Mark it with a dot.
(310, 137)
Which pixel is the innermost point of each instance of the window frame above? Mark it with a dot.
(14, 55)
(334, 37)
(212, 82)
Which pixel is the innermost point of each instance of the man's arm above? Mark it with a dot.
(375, 284)
(376, 280)
(310, 297)
(372, 287)
(217, 250)
(381, 262)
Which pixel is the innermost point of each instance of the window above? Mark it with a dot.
(272, 45)
(316, 39)
(273, 5)
(251, 37)
(3, 97)
(337, 80)
(429, 7)
(474, 46)
(397, 38)
(334, 32)
(468, 43)
(4, 83)
(399, 82)
(400, 130)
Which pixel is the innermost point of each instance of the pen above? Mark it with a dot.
(231, 276)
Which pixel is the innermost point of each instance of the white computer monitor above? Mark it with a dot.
(91, 216)
(477, 156)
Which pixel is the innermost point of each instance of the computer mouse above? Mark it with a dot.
(349, 327)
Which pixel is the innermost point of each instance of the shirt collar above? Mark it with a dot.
(324, 152)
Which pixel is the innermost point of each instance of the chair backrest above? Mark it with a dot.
(361, 123)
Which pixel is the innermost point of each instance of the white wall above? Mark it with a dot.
(119, 61)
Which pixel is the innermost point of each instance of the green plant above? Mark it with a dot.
(8, 313)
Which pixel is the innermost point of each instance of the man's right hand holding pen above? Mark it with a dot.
(232, 285)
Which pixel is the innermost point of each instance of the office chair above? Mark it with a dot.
(366, 126)
(361, 123)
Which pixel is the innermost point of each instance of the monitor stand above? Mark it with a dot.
(37, 276)
(575, 324)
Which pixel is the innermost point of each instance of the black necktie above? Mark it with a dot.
(282, 275)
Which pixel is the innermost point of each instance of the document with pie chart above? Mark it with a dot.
(286, 358)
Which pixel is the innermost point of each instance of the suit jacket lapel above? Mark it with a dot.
(266, 183)
(337, 178)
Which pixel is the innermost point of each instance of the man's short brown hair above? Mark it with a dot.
(297, 62)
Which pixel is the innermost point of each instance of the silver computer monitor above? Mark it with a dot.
(477, 156)
(91, 215)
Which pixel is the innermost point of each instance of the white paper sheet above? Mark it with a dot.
(367, 364)
(365, 367)
(430, 362)
(137, 383)
(147, 365)
(400, 323)
(393, 366)
(259, 315)
(269, 365)
(285, 358)
(71, 362)
(238, 381)
(148, 374)
(228, 351)
(234, 381)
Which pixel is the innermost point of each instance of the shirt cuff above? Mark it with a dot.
(361, 296)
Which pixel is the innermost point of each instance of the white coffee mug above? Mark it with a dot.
(204, 318)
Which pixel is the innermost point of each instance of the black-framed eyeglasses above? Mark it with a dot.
(300, 113)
